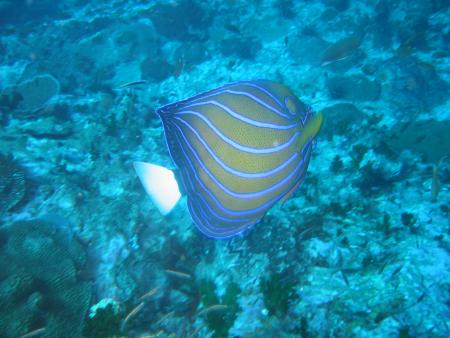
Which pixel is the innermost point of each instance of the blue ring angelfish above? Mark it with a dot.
(239, 149)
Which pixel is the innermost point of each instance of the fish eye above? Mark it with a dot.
(290, 105)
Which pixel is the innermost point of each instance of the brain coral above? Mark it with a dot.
(39, 284)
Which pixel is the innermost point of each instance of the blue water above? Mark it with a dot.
(361, 249)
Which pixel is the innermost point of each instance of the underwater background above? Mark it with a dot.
(361, 249)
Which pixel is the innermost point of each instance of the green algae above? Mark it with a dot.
(278, 292)
(220, 321)
(105, 323)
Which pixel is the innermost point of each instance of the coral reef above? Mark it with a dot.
(360, 249)
(39, 284)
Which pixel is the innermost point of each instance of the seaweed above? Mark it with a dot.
(404, 332)
(105, 323)
(385, 225)
(302, 329)
(278, 292)
(336, 165)
(219, 321)
(409, 221)
(373, 179)
(357, 154)
(338, 209)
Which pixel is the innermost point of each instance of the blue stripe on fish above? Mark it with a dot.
(230, 231)
(237, 172)
(257, 194)
(233, 143)
(264, 90)
(188, 163)
(242, 117)
(235, 226)
(250, 96)
(245, 85)
(194, 178)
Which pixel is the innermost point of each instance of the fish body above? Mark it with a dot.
(239, 149)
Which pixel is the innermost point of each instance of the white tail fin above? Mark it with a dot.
(160, 184)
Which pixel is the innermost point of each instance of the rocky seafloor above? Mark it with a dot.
(360, 250)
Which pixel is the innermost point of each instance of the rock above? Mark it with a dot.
(430, 139)
(245, 48)
(369, 69)
(156, 69)
(18, 11)
(340, 118)
(31, 95)
(177, 20)
(353, 88)
(190, 54)
(340, 5)
(286, 8)
(413, 84)
(306, 49)
(48, 128)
